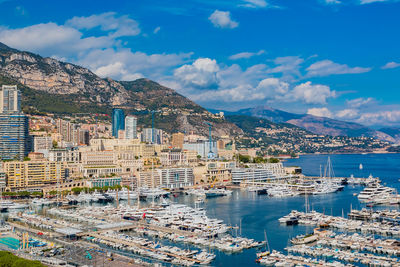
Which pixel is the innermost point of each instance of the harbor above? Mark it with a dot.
(193, 229)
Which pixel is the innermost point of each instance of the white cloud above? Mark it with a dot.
(332, 2)
(390, 65)
(246, 55)
(255, 3)
(108, 22)
(380, 118)
(101, 54)
(201, 74)
(131, 64)
(328, 67)
(288, 66)
(363, 2)
(311, 93)
(320, 112)
(271, 87)
(347, 114)
(52, 39)
(222, 19)
(156, 30)
(360, 102)
(117, 69)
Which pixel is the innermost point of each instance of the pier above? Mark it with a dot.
(133, 244)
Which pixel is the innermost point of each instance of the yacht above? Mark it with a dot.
(375, 191)
(216, 192)
(150, 193)
(7, 205)
(41, 202)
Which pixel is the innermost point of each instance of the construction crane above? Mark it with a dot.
(210, 153)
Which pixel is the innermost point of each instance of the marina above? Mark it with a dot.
(192, 229)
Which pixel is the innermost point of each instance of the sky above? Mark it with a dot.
(332, 58)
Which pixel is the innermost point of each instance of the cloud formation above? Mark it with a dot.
(320, 112)
(347, 114)
(107, 22)
(201, 74)
(328, 67)
(222, 19)
(390, 65)
(246, 55)
(363, 2)
(311, 93)
(52, 39)
(360, 102)
(255, 3)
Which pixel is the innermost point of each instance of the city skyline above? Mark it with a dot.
(329, 58)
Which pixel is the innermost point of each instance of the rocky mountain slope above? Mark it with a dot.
(49, 85)
(315, 124)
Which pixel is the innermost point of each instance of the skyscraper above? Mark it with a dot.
(118, 121)
(15, 142)
(10, 99)
(130, 127)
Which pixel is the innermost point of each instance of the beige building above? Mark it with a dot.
(23, 175)
(218, 171)
(177, 140)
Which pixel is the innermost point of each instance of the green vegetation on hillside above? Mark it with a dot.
(7, 259)
(37, 102)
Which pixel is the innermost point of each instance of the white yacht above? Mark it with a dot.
(374, 191)
(7, 205)
(41, 202)
(216, 192)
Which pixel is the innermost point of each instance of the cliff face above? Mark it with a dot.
(78, 90)
(52, 76)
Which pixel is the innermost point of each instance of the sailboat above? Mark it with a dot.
(361, 166)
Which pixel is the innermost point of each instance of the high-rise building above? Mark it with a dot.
(118, 121)
(65, 128)
(10, 99)
(130, 127)
(154, 136)
(177, 140)
(15, 142)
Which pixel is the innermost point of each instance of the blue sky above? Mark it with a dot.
(333, 58)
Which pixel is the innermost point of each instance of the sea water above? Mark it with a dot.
(256, 214)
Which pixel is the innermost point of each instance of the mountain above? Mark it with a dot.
(52, 86)
(393, 132)
(315, 124)
(274, 115)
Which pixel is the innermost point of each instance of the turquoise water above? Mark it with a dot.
(258, 213)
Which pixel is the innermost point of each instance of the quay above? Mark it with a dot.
(134, 225)
(133, 244)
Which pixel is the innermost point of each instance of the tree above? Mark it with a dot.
(244, 159)
(274, 160)
(76, 190)
(37, 194)
(55, 144)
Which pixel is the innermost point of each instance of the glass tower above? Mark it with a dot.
(118, 121)
(15, 142)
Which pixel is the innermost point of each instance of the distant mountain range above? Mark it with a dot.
(320, 125)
